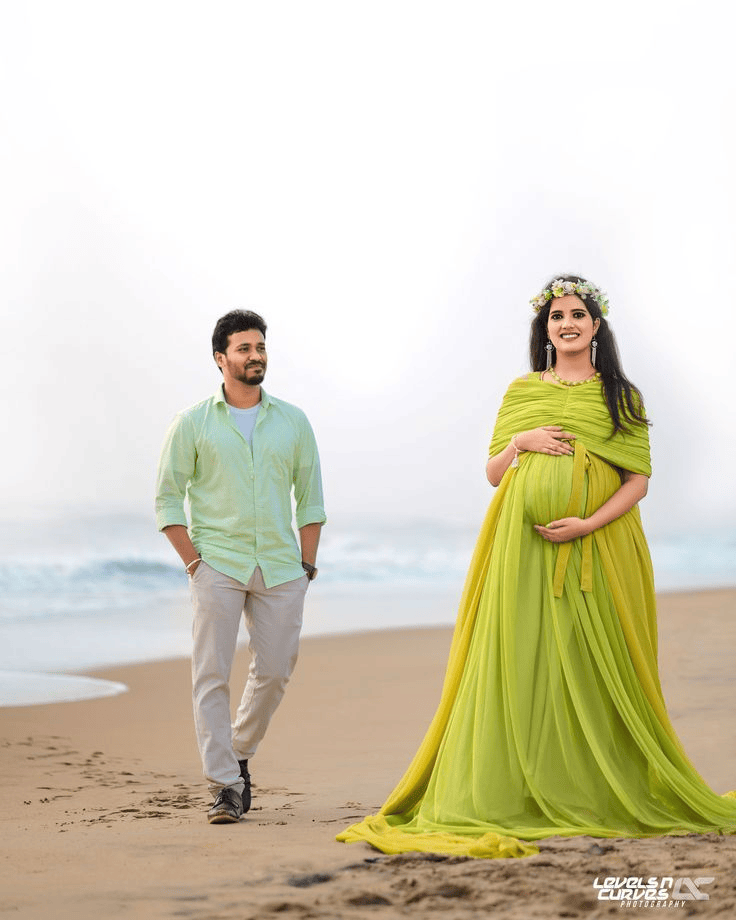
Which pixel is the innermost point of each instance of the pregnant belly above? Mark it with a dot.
(547, 482)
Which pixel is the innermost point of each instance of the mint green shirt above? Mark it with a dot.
(240, 496)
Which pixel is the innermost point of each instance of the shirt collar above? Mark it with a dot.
(220, 397)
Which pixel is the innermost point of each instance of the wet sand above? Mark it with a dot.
(103, 805)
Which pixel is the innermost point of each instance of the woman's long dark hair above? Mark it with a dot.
(624, 400)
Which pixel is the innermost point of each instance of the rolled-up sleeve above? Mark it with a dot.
(310, 505)
(176, 467)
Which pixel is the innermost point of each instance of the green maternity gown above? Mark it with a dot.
(551, 720)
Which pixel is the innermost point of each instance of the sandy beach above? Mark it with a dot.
(103, 804)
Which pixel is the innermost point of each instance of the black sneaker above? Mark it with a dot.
(228, 807)
(246, 789)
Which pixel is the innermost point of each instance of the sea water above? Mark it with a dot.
(79, 592)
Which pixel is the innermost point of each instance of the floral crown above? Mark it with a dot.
(560, 288)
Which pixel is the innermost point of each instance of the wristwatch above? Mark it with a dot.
(310, 569)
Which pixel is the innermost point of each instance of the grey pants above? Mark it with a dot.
(274, 620)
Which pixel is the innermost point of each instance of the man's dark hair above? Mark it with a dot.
(235, 321)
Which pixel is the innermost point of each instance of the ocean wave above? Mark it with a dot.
(81, 580)
(78, 580)
(40, 588)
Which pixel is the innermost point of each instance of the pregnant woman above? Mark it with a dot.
(552, 720)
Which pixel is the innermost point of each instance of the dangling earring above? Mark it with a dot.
(548, 348)
(593, 350)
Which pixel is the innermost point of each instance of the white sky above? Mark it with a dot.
(388, 183)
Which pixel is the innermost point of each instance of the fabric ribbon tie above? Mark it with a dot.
(575, 508)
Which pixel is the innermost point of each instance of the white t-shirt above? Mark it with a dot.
(245, 419)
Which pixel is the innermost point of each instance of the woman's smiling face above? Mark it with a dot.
(570, 327)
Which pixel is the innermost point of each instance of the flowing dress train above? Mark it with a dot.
(551, 719)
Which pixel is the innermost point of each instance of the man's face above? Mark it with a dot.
(244, 358)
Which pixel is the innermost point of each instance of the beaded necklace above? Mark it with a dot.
(575, 383)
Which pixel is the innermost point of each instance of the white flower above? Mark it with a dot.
(560, 288)
(537, 303)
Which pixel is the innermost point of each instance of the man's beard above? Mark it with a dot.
(252, 375)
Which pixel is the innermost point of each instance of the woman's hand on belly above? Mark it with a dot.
(564, 530)
(549, 439)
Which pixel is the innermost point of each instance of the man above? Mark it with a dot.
(236, 457)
